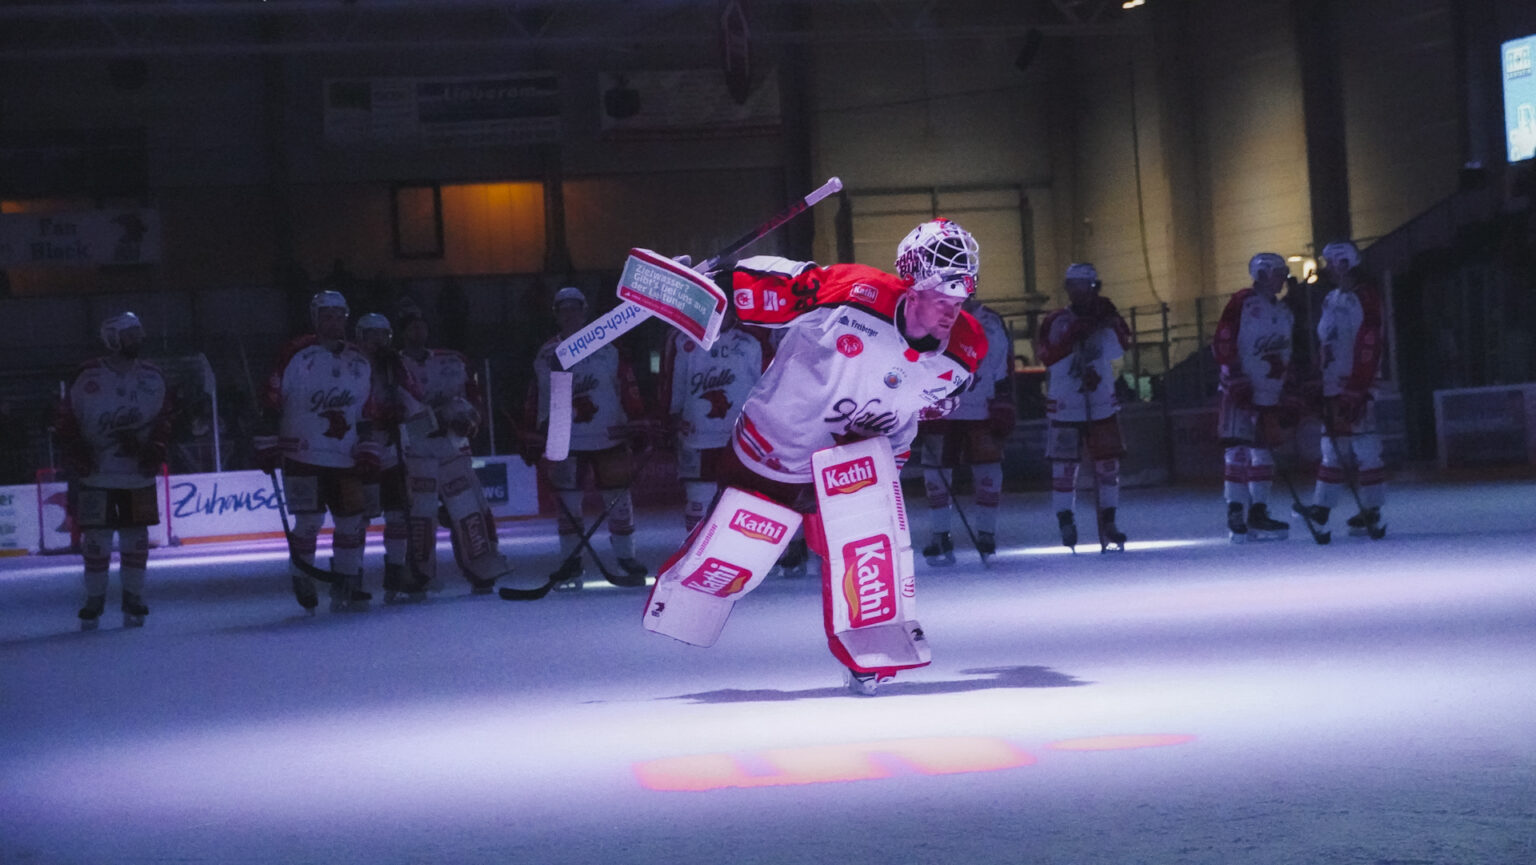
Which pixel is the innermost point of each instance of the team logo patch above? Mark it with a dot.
(893, 379)
(866, 293)
(423, 485)
(758, 527)
(455, 486)
(473, 535)
(850, 345)
(849, 477)
(869, 581)
(718, 578)
(744, 299)
(947, 375)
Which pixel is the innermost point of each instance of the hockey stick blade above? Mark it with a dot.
(510, 594)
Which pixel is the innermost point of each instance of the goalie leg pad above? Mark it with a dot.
(727, 556)
(470, 519)
(869, 587)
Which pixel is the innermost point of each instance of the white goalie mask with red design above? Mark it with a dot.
(940, 256)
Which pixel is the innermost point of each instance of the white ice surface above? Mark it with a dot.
(1365, 702)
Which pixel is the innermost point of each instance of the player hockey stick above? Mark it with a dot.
(309, 569)
(1318, 534)
(1093, 465)
(583, 543)
(1374, 530)
(954, 502)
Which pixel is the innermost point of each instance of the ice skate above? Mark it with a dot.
(478, 586)
(1237, 529)
(90, 614)
(1315, 514)
(1110, 536)
(1068, 525)
(134, 610)
(398, 589)
(1263, 527)
(304, 593)
(986, 543)
(633, 575)
(1367, 523)
(568, 577)
(940, 551)
(348, 598)
(863, 684)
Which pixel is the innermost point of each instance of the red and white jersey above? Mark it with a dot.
(1253, 339)
(844, 370)
(1349, 335)
(443, 374)
(395, 396)
(604, 395)
(110, 419)
(1074, 370)
(994, 370)
(705, 389)
(320, 395)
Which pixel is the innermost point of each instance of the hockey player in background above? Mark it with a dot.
(315, 399)
(1253, 348)
(972, 434)
(1078, 344)
(451, 390)
(606, 413)
(824, 432)
(395, 396)
(1350, 340)
(114, 425)
(702, 391)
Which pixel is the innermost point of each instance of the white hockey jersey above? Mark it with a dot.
(843, 371)
(1253, 339)
(320, 395)
(995, 368)
(442, 374)
(1076, 369)
(604, 396)
(115, 425)
(1349, 334)
(705, 389)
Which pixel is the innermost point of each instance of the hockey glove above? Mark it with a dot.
(367, 458)
(269, 453)
(1002, 417)
(1238, 388)
(530, 448)
(1351, 406)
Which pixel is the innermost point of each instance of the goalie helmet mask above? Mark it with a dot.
(940, 256)
(327, 299)
(113, 328)
(1342, 251)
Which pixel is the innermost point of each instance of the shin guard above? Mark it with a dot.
(727, 555)
(869, 588)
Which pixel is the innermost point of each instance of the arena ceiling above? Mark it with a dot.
(570, 30)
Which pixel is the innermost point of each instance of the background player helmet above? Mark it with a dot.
(1266, 261)
(112, 329)
(939, 255)
(327, 299)
(569, 294)
(1342, 250)
(374, 321)
(1084, 271)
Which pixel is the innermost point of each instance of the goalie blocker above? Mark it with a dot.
(868, 586)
